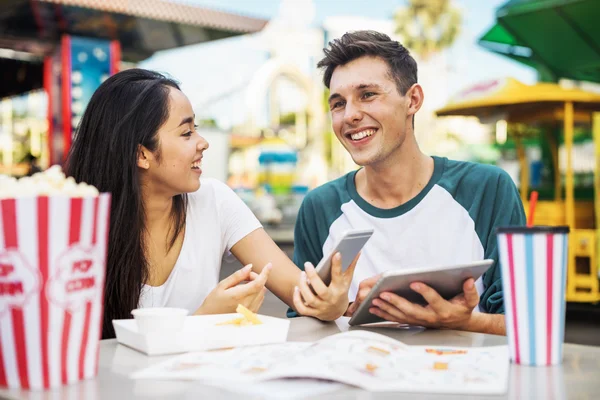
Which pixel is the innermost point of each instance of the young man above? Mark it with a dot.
(425, 210)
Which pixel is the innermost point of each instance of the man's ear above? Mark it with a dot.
(415, 98)
(144, 156)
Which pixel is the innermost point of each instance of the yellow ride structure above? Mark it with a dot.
(550, 104)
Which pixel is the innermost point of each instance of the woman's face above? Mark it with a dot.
(175, 167)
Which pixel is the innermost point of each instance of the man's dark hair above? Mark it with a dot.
(353, 45)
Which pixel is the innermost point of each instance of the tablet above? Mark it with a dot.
(447, 281)
(348, 246)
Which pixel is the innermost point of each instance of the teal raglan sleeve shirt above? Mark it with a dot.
(507, 210)
(306, 240)
(319, 209)
(492, 200)
(307, 246)
(486, 192)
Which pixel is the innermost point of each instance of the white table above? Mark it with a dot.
(577, 378)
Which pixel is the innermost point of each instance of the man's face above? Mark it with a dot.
(368, 113)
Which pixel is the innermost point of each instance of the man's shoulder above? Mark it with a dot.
(466, 175)
(332, 192)
(481, 189)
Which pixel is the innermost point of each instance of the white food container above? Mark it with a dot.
(200, 333)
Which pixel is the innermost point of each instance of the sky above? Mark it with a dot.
(471, 63)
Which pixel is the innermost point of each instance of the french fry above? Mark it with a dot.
(249, 315)
(235, 321)
(249, 318)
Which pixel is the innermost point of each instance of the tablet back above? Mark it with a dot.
(447, 281)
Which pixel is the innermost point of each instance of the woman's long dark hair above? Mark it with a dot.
(125, 112)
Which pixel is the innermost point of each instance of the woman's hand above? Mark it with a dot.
(326, 303)
(229, 293)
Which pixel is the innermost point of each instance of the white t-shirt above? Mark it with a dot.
(216, 220)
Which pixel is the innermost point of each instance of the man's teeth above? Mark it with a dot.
(362, 134)
(196, 164)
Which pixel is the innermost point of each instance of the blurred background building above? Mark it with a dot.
(55, 53)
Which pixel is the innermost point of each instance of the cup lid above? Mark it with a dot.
(533, 229)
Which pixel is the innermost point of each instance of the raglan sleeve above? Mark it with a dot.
(307, 246)
(507, 211)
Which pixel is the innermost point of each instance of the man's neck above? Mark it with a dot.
(395, 182)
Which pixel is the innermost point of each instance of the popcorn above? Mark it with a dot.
(46, 183)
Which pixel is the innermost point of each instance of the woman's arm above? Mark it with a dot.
(258, 249)
(292, 285)
(252, 245)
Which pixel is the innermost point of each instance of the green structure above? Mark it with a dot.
(559, 38)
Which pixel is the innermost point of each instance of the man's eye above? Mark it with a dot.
(368, 94)
(337, 105)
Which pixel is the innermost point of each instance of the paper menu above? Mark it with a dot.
(365, 359)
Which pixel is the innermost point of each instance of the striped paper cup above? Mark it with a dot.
(537, 383)
(52, 270)
(533, 262)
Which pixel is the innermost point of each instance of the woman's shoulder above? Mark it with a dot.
(211, 190)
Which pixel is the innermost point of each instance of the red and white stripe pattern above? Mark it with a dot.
(52, 269)
(534, 269)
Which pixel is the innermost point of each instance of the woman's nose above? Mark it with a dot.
(203, 144)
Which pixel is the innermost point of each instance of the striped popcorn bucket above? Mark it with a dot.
(52, 270)
(533, 263)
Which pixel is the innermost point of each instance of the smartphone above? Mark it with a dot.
(348, 246)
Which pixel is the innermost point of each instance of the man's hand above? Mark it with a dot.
(315, 299)
(363, 290)
(439, 313)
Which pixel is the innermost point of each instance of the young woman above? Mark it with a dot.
(169, 228)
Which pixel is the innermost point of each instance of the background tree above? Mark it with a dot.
(428, 26)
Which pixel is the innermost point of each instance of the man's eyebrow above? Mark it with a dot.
(188, 120)
(359, 87)
(369, 86)
(334, 96)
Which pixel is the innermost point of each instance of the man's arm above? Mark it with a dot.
(456, 313)
(486, 323)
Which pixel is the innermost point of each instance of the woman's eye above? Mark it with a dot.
(368, 94)
(188, 134)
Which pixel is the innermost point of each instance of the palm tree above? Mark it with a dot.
(428, 26)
